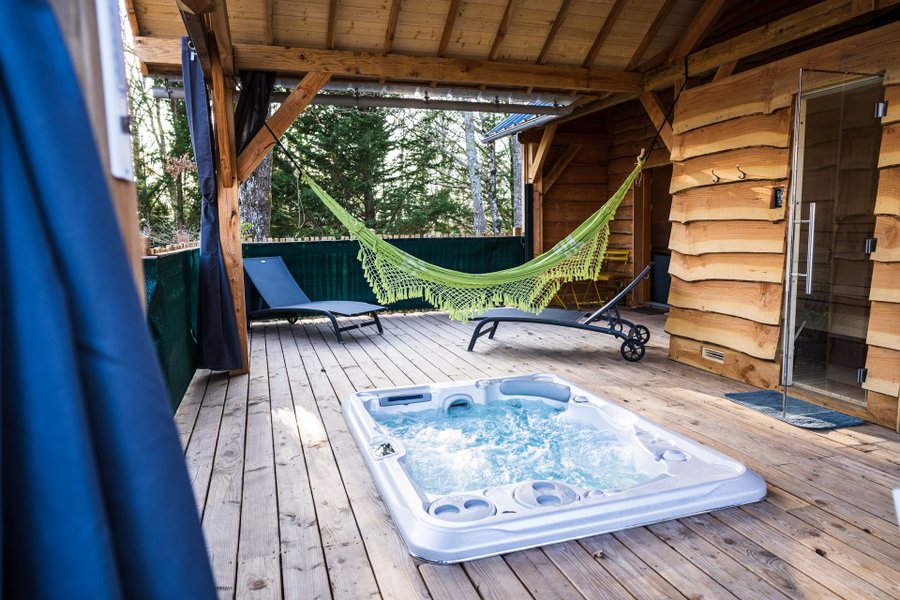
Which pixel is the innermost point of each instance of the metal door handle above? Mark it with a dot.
(810, 246)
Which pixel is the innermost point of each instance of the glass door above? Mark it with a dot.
(835, 178)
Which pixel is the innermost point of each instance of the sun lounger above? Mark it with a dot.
(606, 320)
(284, 298)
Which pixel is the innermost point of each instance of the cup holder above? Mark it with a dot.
(462, 508)
(541, 494)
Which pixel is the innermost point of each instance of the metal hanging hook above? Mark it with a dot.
(742, 175)
(715, 178)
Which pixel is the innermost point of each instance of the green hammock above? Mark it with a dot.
(396, 275)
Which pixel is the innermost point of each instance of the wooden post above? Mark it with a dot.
(641, 236)
(78, 21)
(227, 187)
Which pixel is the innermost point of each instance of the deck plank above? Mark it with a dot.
(349, 570)
(222, 510)
(303, 572)
(290, 511)
(448, 582)
(259, 568)
(395, 570)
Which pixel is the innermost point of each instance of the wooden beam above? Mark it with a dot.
(449, 22)
(566, 138)
(660, 18)
(653, 106)
(332, 24)
(501, 30)
(701, 24)
(540, 155)
(218, 24)
(286, 114)
(195, 7)
(163, 56)
(725, 71)
(197, 31)
(604, 32)
(132, 18)
(551, 36)
(222, 117)
(268, 24)
(227, 199)
(391, 30)
(819, 17)
(560, 165)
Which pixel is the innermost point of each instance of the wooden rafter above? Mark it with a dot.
(332, 24)
(554, 30)
(195, 25)
(448, 27)
(818, 17)
(195, 7)
(279, 122)
(269, 23)
(567, 138)
(132, 18)
(704, 19)
(653, 106)
(604, 32)
(658, 21)
(163, 55)
(540, 155)
(225, 141)
(391, 30)
(501, 30)
(218, 24)
(560, 165)
(725, 70)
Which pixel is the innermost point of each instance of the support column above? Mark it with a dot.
(227, 184)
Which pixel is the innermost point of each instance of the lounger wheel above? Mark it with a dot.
(640, 333)
(632, 350)
(292, 320)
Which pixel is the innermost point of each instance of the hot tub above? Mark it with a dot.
(485, 467)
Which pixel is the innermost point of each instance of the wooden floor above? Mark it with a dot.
(290, 511)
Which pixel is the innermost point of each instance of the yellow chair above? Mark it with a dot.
(614, 273)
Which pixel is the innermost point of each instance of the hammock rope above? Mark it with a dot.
(394, 274)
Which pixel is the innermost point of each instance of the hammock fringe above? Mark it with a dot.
(396, 275)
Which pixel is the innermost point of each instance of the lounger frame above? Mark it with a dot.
(634, 336)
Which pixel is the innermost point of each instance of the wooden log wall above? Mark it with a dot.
(883, 338)
(731, 150)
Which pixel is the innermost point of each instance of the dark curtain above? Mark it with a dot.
(253, 105)
(217, 335)
(96, 501)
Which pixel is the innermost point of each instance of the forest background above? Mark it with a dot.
(401, 171)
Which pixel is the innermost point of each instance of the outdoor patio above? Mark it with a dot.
(289, 509)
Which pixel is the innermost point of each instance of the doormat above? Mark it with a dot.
(799, 412)
(649, 310)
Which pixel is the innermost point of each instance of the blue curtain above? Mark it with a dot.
(217, 335)
(96, 501)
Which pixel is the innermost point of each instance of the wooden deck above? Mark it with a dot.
(289, 510)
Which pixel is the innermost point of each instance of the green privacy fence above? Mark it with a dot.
(325, 269)
(170, 285)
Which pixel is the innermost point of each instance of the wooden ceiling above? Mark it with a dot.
(588, 47)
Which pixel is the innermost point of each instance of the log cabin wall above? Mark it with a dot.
(731, 150)
(571, 184)
(883, 339)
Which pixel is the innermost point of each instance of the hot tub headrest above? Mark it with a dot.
(541, 389)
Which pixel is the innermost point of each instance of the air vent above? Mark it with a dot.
(712, 354)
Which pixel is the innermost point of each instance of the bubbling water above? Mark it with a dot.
(488, 445)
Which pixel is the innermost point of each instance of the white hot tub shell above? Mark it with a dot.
(689, 478)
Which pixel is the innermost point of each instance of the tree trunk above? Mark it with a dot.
(255, 199)
(492, 188)
(517, 180)
(474, 176)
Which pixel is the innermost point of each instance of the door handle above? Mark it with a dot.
(810, 246)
